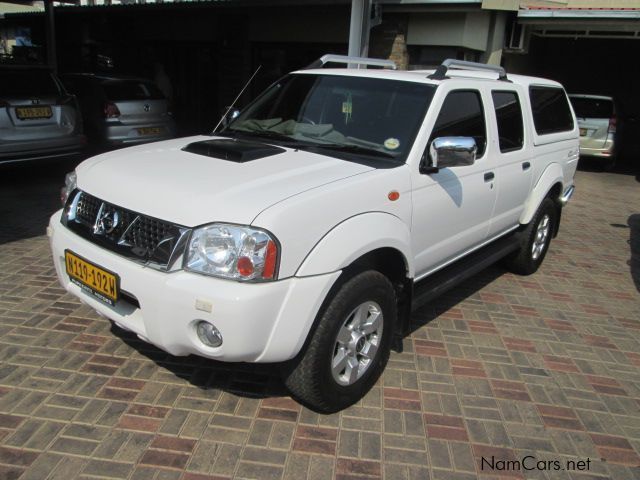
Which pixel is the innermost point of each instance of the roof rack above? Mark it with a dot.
(441, 71)
(376, 62)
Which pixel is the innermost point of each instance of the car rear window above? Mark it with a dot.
(27, 83)
(592, 107)
(131, 90)
(551, 112)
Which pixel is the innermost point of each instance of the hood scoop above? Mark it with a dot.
(238, 151)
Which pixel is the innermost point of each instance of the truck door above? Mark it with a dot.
(452, 208)
(513, 162)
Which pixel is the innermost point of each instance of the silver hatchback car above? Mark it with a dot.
(38, 118)
(119, 111)
(597, 120)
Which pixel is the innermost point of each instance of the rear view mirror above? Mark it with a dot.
(449, 152)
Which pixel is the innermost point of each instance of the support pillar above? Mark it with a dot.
(495, 39)
(359, 28)
(52, 59)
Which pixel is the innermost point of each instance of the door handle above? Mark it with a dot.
(526, 166)
(489, 176)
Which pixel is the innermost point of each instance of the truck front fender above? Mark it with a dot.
(551, 176)
(355, 237)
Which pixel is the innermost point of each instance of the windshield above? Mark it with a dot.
(368, 116)
(592, 107)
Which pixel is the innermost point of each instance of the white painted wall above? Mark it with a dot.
(469, 30)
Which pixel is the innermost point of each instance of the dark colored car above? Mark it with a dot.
(38, 118)
(120, 111)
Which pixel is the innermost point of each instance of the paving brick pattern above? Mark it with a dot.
(504, 367)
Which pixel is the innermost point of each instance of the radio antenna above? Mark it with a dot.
(236, 99)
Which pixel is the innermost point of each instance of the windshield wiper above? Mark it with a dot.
(266, 134)
(294, 142)
(350, 148)
(269, 134)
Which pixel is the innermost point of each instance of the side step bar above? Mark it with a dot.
(447, 278)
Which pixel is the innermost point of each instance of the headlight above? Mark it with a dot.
(70, 184)
(232, 251)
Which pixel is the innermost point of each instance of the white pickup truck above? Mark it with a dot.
(304, 231)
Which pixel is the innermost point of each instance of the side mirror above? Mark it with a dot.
(449, 152)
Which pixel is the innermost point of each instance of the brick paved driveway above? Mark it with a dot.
(546, 366)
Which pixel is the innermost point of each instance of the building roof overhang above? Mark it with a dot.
(603, 23)
(541, 13)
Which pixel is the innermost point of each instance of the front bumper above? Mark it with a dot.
(262, 322)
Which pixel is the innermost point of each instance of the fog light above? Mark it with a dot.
(208, 334)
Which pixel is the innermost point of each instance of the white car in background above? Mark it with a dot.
(597, 121)
(39, 119)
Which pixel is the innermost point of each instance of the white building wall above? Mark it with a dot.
(468, 30)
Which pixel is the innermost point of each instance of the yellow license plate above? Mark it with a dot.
(150, 131)
(24, 113)
(101, 283)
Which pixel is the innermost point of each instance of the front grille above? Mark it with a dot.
(147, 232)
(140, 237)
(87, 209)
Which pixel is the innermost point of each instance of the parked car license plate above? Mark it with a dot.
(24, 113)
(150, 131)
(103, 284)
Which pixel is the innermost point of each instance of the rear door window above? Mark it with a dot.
(551, 112)
(462, 115)
(131, 90)
(28, 83)
(509, 120)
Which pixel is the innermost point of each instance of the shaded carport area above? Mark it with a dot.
(208, 49)
(590, 51)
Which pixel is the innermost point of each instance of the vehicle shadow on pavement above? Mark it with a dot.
(634, 246)
(595, 165)
(29, 195)
(453, 297)
(263, 380)
(242, 379)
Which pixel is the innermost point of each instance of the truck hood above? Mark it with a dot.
(193, 188)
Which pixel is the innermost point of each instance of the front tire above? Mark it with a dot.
(349, 347)
(535, 240)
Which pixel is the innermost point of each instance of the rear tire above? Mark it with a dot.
(349, 347)
(535, 240)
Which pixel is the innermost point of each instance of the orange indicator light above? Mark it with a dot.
(393, 195)
(270, 260)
